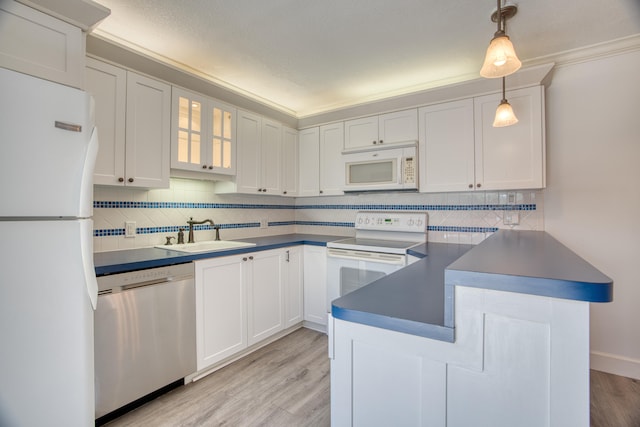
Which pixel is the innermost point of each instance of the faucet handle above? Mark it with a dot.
(168, 242)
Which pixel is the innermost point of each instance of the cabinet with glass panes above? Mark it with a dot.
(203, 134)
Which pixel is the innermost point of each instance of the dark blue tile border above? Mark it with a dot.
(358, 207)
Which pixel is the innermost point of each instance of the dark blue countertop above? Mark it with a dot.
(415, 300)
(142, 258)
(411, 300)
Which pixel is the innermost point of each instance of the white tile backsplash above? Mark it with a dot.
(453, 217)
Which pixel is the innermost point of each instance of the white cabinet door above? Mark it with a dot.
(133, 119)
(293, 291)
(249, 133)
(460, 150)
(221, 315)
(289, 175)
(148, 132)
(265, 294)
(271, 156)
(361, 133)
(108, 86)
(398, 127)
(259, 149)
(331, 166)
(510, 157)
(315, 285)
(391, 128)
(40, 45)
(447, 161)
(309, 162)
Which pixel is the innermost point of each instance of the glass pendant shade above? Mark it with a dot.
(504, 115)
(501, 59)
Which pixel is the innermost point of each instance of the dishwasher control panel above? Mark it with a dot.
(392, 221)
(169, 273)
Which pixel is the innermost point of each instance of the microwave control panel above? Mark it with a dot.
(391, 221)
(409, 172)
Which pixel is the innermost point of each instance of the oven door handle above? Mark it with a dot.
(394, 259)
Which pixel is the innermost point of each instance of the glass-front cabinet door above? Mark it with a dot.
(203, 137)
(221, 145)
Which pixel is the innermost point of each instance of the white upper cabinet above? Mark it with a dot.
(34, 43)
(511, 157)
(134, 112)
(271, 157)
(249, 130)
(331, 166)
(309, 162)
(259, 145)
(446, 152)
(289, 174)
(260, 160)
(460, 150)
(392, 128)
(321, 167)
(203, 134)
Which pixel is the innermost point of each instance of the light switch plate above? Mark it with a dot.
(130, 229)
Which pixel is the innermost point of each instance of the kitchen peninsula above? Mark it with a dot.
(509, 343)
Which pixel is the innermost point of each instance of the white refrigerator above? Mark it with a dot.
(48, 289)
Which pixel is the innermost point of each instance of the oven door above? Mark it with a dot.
(348, 270)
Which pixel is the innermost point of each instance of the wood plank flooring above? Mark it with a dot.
(283, 384)
(615, 401)
(287, 384)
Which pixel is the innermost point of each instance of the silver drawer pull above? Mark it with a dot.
(68, 126)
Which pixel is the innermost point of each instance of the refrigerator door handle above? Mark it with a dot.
(86, 248)
(68, 126)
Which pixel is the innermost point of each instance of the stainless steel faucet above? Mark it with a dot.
(191, 222)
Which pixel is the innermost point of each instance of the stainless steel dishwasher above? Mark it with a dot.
(145, 334)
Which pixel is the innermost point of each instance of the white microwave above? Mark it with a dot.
(381, 169)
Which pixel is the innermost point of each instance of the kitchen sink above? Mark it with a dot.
(207, 246)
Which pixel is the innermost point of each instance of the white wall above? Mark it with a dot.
(592, 200)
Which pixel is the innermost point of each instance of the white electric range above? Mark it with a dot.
(379, 248)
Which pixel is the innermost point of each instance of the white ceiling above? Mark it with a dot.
(304, 57)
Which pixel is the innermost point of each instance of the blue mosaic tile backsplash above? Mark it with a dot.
(453, 217)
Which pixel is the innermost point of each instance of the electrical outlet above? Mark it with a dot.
(264, 223)
(511, 218)
(130, 229)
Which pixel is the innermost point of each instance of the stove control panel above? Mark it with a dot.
(392, 221)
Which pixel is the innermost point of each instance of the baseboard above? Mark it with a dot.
(315, 326)
(614, 364)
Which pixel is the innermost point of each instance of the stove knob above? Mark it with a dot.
(410, 222)
(359, 220)
(366, 221)
(419, 223)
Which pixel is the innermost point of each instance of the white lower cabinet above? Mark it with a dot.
(293, 288)
(315, 286)
(265, 293)
(221, 309)
(244, 299)
(518, 360)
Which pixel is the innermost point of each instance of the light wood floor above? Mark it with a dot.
(283, 384)
(287, 384)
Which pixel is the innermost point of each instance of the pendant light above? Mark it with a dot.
(501, 59)
(504, 114)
